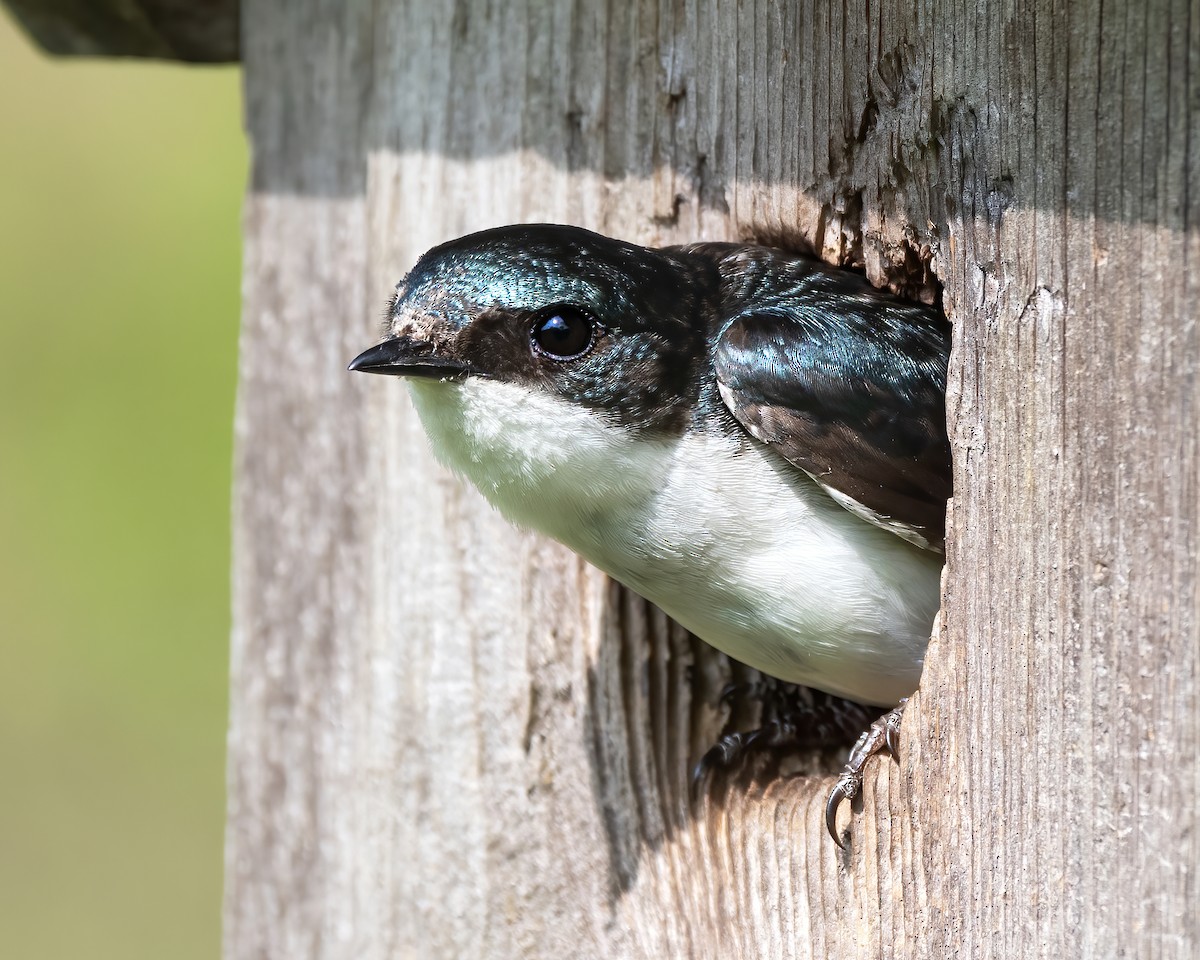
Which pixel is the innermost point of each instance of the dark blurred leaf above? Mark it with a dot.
(202, 31)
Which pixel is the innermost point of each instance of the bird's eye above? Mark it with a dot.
(563, 333)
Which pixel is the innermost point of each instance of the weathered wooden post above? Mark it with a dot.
(452, 739)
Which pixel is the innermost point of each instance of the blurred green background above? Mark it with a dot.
(120, 191)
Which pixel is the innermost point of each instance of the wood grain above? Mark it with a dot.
(452, 739)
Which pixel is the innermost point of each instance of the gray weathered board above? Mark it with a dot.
(450, 739)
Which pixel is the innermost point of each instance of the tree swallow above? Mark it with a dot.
(752, 440)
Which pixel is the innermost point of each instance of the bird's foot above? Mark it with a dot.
(882, 735)
(734, 749)
(793, 719)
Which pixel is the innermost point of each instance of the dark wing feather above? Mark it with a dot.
(848, 384)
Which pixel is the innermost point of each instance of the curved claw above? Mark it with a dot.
(734, 748)
(845, 789)
(891, 737)
(696, 779)
(721, 754)
(891, 729)
(699, 772)
(883, 733)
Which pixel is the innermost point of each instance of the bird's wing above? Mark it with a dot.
(847, 383)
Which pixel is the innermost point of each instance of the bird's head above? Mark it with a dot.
(558, 310)
(534, 348)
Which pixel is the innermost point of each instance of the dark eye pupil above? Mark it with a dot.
(563, 335)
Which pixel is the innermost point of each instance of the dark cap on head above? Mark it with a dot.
(605, 324)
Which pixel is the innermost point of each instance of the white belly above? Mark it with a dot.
(732, 542)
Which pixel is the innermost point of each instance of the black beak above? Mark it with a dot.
(406, 357)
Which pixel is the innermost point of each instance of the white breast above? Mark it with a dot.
(735, 544)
